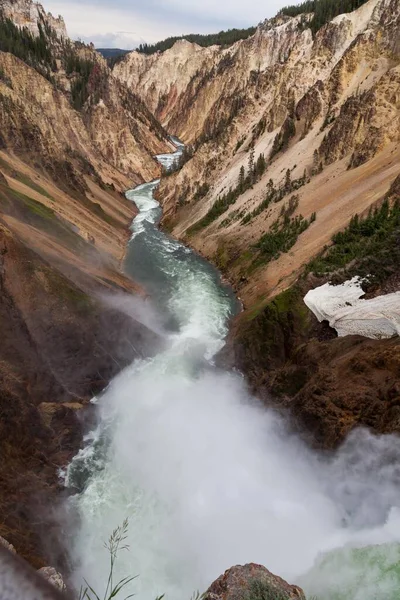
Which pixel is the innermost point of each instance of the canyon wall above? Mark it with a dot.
(290, 132)
(25, 13)
(323, 106)
(322, 111)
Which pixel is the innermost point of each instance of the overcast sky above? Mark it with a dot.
(127, 23)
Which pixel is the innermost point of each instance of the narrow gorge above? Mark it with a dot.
(191, 357)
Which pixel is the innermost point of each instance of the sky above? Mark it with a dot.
(127, 23)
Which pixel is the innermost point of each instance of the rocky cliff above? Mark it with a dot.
(329, 385)
(61, 105)
(25, 13)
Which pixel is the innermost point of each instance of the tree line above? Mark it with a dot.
(368, 247)
(324, 10)
(223, 38)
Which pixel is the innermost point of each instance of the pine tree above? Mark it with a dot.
(261, 166)
(288, 180)
(251, 162)
(242, 176)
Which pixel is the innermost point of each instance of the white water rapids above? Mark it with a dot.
(208, 477)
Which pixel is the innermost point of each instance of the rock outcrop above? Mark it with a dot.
(32, 15)
(249, 582)
(7, 545)
(19, 580)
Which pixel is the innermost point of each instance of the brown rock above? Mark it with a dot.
(249, 582)
(58, 342)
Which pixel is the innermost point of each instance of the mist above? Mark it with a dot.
(208, 476)
(209, 479)
(137, 308)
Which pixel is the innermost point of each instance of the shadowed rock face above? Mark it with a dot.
(59, 347)
(330, 385)
(63, 233)
(252, 582)
(19, 581)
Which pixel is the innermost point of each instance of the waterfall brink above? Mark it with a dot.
(208, 477)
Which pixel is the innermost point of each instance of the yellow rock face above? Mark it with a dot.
(341, 91)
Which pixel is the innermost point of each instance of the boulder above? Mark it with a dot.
(252, 582)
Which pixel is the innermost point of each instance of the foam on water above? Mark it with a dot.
(170, 160)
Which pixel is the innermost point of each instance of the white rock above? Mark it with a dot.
(7, 545)
(343, 308)
(53, 577)
(26, 13)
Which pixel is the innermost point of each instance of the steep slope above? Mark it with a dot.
(62, 340)
(323, 110)
(60, 345)
(72, 139)
(330, 385)
(110, 126)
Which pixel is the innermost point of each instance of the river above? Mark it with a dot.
(208, 477)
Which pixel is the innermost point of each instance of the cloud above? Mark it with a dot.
(126, 23)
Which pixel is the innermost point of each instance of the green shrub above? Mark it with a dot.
(256, 171)
(260, 590)
(373, 243)
(281, 141)
(276, 195)
(281, 237)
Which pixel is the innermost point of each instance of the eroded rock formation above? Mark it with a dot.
(32, 15)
